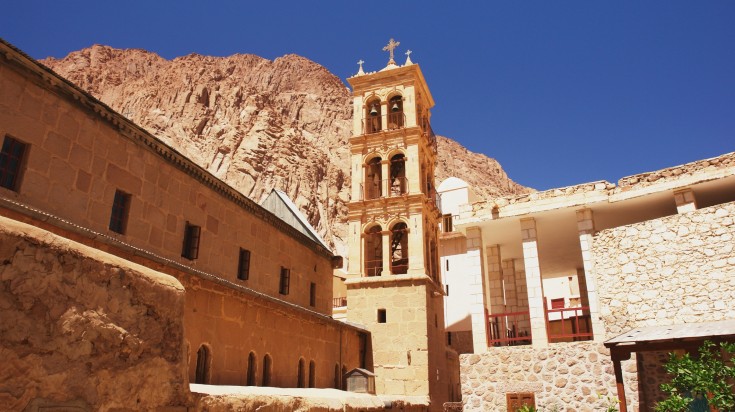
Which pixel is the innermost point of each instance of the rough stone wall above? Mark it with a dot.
(676, 269)
(79, 325)
(568, 375)
(77, 159)
(652, 376)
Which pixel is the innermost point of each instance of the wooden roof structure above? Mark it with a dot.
(687, 336)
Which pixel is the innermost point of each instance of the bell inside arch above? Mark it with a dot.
(373, 110)
(395, 107)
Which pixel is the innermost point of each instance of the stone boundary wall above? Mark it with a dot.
(228, 399)
(673, 173)
(81, 328)
(576, 377)
(676, 269)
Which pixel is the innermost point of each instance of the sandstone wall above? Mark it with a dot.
(676, 269)
(234, 324)
(576, 377)
(79, 325)
(79, 154)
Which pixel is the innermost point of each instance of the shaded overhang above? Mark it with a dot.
(670, 337)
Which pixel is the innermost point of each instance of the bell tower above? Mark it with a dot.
(394, 287)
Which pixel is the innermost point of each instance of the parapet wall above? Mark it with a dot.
(573, 376)
(676, 269)
(81, 328)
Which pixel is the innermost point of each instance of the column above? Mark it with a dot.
(511, 289)
(586, 228)
(386, 252)
(533, 282)
(385, 177)
(478, 313)
(685, 201)
(416, 264)
(495, 280)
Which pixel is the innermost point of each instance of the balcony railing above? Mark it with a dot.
(374, 267)
(509, 329)
(396, 187)
(391, 121)
(339, 302)
(568, 324)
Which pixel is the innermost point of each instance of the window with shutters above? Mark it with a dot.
(119, 215)
(517, 400)
(284, 286)
(12, 157)
(243, 265)
(190, 249)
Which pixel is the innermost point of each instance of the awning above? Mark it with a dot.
(688, 336)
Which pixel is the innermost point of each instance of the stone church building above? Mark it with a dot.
(133, 279)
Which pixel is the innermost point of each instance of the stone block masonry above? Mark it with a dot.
(676, 269)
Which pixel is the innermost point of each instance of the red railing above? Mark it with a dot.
(508, 329)
(339, 302)
(373, 268)
(568, 324)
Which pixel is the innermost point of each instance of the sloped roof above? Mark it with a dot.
(284, 208)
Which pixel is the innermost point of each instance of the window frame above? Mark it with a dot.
(192, 237)
(515, 400)
(120, 212)
(12, 165)
(284, 286)
(243, 264)
(312, 294)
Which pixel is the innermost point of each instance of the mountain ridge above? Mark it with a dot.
(257, 124)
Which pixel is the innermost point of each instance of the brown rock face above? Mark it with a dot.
(255, 123)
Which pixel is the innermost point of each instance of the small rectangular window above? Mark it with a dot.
(382, 316)
(312, 294)
(120, 209)
(449, 338)
(447, 223)
(243, 265)
(190, 249)
(557, 303)
(516, 401)
(285, 281)
(447, 287)
(11, 161)
(447, 263)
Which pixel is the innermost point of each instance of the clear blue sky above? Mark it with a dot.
(560, 92)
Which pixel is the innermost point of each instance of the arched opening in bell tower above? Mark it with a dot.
(373, 251)
(399, 249)
(372, 187)
(398, 184)
(395, 112)
(373, 116)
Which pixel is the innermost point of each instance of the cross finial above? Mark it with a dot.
(360, 62)
(392, 44)
(408, 58)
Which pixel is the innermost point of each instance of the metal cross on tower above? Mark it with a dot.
(392, 44)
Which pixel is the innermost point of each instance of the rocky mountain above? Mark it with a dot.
(255, 123)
